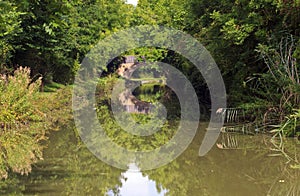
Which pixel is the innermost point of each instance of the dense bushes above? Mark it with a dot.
(25, 116)
(9, 28)
(282, 80)
(52, 37)
(17, 95)
(19, 135)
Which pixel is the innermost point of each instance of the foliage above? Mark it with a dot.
(281, 80)
(52, 87)
(18, 138)
(52, 37)
(232, 30)
(25, 117)
(291, 125)
(9, 28)
(161, 12)
(283, 75)
(17, 95)
(121, 137)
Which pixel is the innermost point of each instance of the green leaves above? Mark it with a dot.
(9, 28)
(235, 32)
(18, 145)
(161, 12)
(51, 37)
(17, 94)
(25, 116)
(49, 28)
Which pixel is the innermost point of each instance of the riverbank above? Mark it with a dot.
(26, 118)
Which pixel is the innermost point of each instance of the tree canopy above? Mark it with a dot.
(52, 37)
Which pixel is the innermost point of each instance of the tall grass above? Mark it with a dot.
(20, 134)
(282, 81)
(26, 115)
(279, 87)
(284, 74)
(290, 127)
(17, 94)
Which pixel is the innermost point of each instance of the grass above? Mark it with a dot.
(52, 87)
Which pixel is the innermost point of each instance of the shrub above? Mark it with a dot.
(20, 131)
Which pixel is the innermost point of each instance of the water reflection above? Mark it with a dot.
(135, 183)
(244, 168)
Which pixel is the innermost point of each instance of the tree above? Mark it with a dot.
(52, 37)
(232, 30)
(9, 28)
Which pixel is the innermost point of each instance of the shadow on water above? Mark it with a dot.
(237, 165)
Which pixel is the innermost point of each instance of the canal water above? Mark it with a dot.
(237, 165)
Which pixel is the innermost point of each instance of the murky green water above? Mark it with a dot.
(243, 167)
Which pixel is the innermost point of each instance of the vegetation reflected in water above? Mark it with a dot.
(247, 169)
